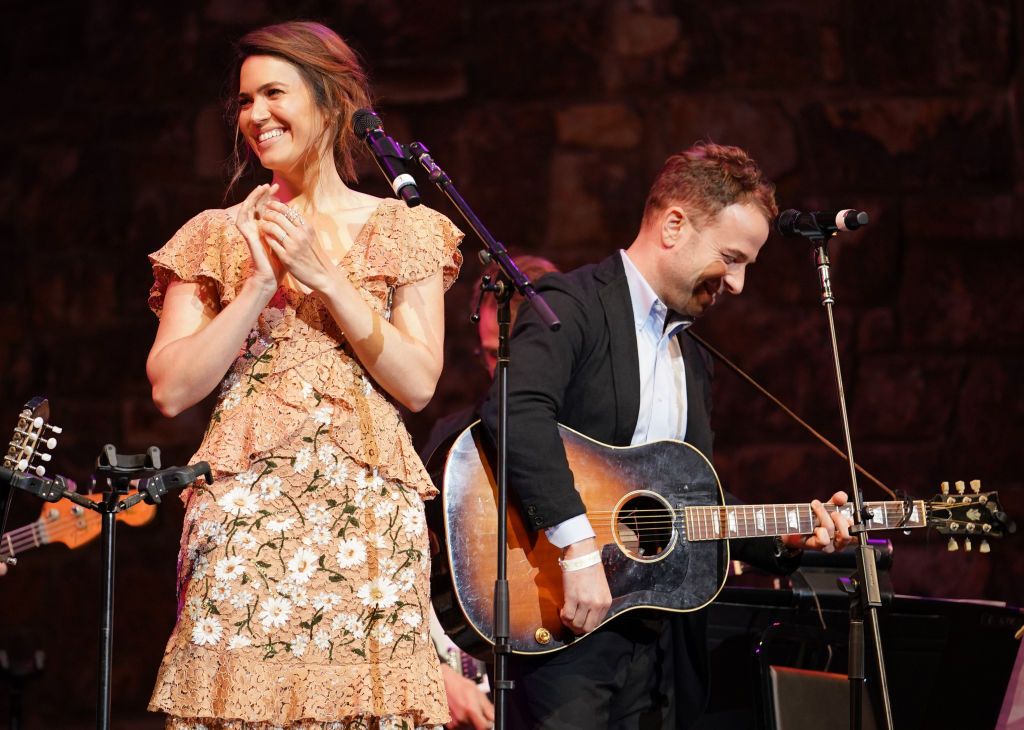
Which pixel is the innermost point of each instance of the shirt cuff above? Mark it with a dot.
(570, 531)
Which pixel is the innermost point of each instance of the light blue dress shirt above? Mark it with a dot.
(662, 383)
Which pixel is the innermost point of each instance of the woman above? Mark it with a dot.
(303, 576)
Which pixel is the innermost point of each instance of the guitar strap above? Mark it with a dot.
(785, 409)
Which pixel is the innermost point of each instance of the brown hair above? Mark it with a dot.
(707, 178)
(330, 68)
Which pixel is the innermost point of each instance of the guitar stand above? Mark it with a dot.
(116, 474)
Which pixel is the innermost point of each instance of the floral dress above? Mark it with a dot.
(303, 578)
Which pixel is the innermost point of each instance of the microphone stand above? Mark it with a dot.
(863, 589)
(117, 472)
(509, 277)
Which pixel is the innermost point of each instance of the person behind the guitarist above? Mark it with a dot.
(622, 371)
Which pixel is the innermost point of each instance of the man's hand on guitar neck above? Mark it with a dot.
(587, 596)
(832, 533)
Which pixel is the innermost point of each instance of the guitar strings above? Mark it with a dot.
(22, 539)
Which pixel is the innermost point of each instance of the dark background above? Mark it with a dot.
(553, 118)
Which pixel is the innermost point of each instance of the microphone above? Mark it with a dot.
(388, 154)
(819, 224)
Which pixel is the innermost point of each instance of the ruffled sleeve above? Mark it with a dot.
(431, 245)
(202, 251)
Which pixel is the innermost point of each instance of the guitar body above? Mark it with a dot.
(635, 510)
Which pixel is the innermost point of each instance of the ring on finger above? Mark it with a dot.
(293, 215)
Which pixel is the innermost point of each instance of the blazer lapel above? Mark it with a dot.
(625, 364)
(698, 397)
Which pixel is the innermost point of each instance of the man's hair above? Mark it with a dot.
(707, 178)
(331, 70)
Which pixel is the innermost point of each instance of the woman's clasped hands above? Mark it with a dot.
(282, 242)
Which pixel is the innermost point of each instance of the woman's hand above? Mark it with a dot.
(294, 243)
(268, 269)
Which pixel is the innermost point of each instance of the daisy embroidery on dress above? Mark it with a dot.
(239, 642)
(274, 612)
(302, 458)
(207, 631)
(239, 502)
(380, 592)
(302, 566)
(270, 488)
(351, 552)
(231, 568)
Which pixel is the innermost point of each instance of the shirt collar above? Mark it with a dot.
(646, 304)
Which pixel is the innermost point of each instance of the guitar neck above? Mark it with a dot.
(766, 520)
(23, 538)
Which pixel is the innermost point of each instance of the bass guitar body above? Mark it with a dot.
(635, 496)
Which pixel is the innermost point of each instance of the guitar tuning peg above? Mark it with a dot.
(38, 422)
(56, 429)
(40, 471)
(51, 443)
(951, 545)
(944, 487)
(967, 544)
(984, 547)
(975, 485)
(960, 486)
(45, 457)
(22, 465)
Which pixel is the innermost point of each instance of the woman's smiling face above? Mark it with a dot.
(277, 114)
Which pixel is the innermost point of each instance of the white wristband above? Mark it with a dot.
(584, 561)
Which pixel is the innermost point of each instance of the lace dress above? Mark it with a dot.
(303, 577)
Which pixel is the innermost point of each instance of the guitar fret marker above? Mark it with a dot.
(732, 521)
(759, 520)
(793, 520)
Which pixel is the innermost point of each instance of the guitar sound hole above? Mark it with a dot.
(644, 527)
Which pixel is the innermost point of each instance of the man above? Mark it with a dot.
(622, 371)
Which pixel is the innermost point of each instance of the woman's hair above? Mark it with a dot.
(331, 70)
(707, 178)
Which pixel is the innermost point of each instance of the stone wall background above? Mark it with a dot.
(552, 117)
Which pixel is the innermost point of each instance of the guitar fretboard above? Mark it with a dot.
(22, 538)
(765, 520)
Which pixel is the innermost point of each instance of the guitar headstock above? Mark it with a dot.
(32, 440)
(970, 514)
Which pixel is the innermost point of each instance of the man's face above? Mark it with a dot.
(487, 329)
(714, 258)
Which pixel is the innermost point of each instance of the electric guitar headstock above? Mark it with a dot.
(969, 514)
(32, 440)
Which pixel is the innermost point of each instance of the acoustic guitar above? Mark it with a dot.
(659, 514)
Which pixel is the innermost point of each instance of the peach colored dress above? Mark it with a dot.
(303, 578)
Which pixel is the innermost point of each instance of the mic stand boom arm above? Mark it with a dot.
(509, 277)
(495, 249)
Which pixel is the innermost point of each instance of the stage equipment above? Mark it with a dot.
(115, 474)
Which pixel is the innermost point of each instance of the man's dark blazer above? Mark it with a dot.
(587, 377)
